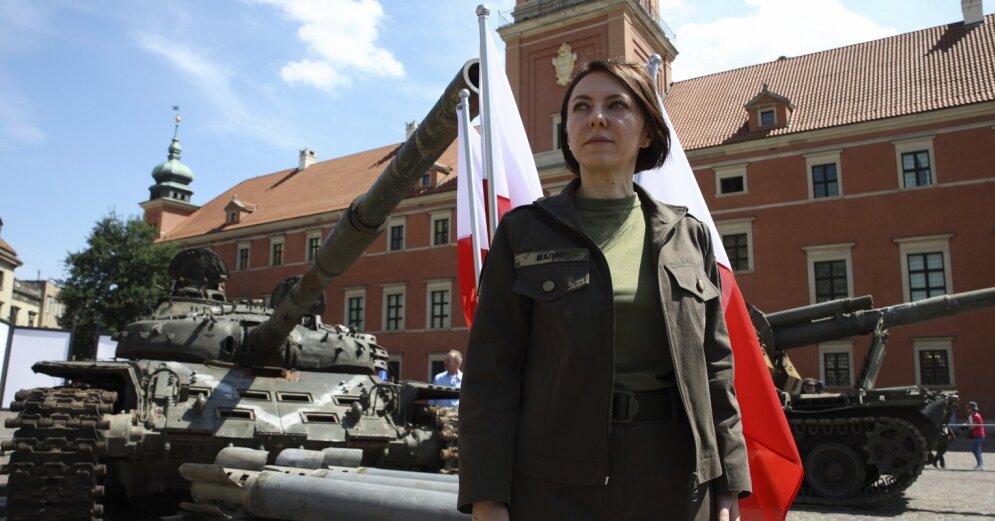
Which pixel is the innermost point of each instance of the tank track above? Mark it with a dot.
(447, 419)
(54, 472)
(893, 450)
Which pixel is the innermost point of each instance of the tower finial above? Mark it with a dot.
(176, 131)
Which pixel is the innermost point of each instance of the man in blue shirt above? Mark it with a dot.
(451, 377)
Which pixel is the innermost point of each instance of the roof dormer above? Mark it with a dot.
(236, 210)
(435, 175)
(768, 110)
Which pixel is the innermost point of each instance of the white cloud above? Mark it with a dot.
(21, 22)
(217, 84)
(17, 125)
(772, 28)
(341, 38)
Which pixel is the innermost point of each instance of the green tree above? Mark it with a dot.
(114, 280)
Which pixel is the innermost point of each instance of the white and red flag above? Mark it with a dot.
(516, 180)
(775, 466)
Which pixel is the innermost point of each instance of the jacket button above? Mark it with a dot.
(548, 286)
(701, 285)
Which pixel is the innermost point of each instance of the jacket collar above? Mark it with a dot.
(662, 217)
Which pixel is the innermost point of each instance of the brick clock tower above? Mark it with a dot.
(549, 38)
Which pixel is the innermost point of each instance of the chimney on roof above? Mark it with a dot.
(973, 12)
(409, 128)
(307, 158)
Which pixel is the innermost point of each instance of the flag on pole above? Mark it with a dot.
(516, 180)
(775, 466)
(468, 185)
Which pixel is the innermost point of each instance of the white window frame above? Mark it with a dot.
(555, 119)
(232, 217)
(438, 216)
(824, 158)
(829, 252)
(835, 347)
(736, 226)
(725, 172)
(399, 358)
(348, 293)
(246, 245)
(273, 241)
(435, 357)
(934, 344)
(760, 118)
(397, 221)
(307, 243)
(393, 289)
(437, 285)
(912, 145)
(926, 244)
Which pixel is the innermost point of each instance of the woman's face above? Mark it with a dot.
(605, 125)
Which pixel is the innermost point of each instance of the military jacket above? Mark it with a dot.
(539, 368)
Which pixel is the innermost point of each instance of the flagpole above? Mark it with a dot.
(653, 66)
(468, 176)
(485, 121)
(653, 69)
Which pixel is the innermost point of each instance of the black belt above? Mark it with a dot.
(628, 406)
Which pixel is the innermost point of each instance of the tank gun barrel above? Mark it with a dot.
(864, 321)
(364, 220)
(818, 311)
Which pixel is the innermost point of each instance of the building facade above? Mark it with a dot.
(860, 170)
(8, 263)
(863, 170)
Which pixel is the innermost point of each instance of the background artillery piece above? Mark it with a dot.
(866, 444)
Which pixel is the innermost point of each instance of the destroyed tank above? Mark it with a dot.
(866, 444)
(202, 374)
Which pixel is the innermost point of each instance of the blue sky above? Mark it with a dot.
(87, 86)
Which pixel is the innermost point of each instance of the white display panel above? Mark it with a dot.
(27, 347)
(106, 348)
(5, 330)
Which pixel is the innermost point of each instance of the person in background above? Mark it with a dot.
(451, 377)
(976, 424)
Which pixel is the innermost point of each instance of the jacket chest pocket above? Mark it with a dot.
(693, 280)
(690, 291)
(550, 280)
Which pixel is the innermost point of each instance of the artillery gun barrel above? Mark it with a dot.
(322, 495)
(863, 322)
(817, 311)
(366, 216)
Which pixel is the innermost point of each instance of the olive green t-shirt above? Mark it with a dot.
(642, 353)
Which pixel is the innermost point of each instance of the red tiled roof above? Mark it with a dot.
(322, 187)
(936, 68)
(6, 247)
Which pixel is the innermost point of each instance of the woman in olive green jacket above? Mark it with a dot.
(598, 382)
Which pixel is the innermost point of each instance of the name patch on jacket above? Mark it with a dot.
(532, 258)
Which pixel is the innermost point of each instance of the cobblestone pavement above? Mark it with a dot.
(955, 493)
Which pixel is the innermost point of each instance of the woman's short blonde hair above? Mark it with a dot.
(640, 85)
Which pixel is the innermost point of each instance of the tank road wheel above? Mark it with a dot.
(447, 420)
(54, 472)
(898, 450)
(834, 470)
